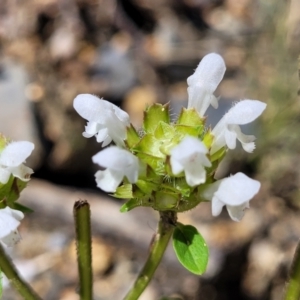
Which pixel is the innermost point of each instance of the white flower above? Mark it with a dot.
(12, 158)
(105, 120)
(235, 192)
(228, 130)
(118, 163)
(204, 82)
(9, 221)
(190, 156)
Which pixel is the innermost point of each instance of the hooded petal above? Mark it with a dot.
(245, 111)
(91, 107)
(209, 72)
(235, 192)
(102, 115)
(204, 82)
(119, 163)
(237, 189)
(15, 153)
(227, 130)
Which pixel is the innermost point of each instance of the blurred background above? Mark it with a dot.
(135, 53)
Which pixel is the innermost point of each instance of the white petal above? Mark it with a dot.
(91, 129)
(176, 166)
(4, 175)
(236, 213)
(195, 174)
(216, 206)
(115, 158)
(9, 220)
(91, 107)
(244, 112)
(11, 239)
(94, 109)
(209, 72)
(120, 162)
(15, 153)
(21, 172)
(237, 189)
(190, 156)
(108, 180)
(230, 138)
(102, 136)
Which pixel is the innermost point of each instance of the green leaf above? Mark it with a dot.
(154, 114)
(190, 248)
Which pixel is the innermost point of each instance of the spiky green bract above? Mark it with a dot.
(157, 186)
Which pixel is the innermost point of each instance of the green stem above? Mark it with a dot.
(82, 218)
(10, 271)
(165, 230)
(292, 291)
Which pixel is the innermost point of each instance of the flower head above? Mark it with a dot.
(118, 163)
(204, 82)
(9, 221)
(12, 158)
(228, 130)
(235, 192)
(190, 156)
(106, 121)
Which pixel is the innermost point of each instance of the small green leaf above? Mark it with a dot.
(154, 114)
(190, 248)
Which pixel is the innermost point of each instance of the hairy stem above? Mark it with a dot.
(165, 230)
(292, 291)
(10, 271)
(82, 218)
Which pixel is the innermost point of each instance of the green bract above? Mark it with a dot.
(157, 186)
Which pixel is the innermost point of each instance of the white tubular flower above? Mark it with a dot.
(228, 130)
(118, 163)
(190, 156)
(204, 82)
(12, 158)
(9, 221)
(105, 120)
(235, 192)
